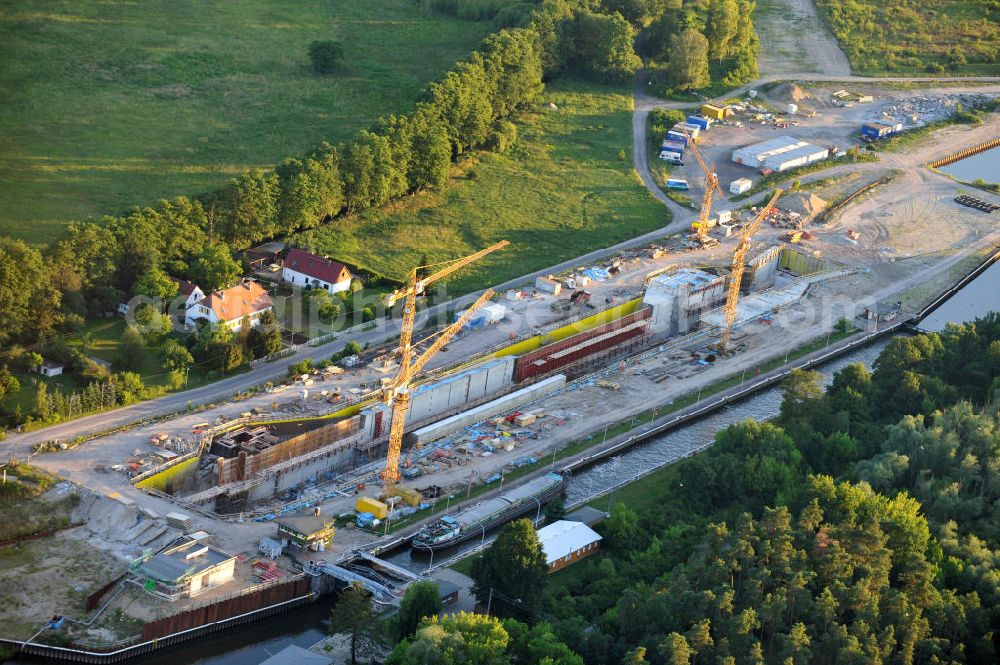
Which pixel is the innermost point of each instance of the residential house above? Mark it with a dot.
(51, 368)
(229, 307)
(185, 568)
(565, 542)
(307, 270)
(190, 291)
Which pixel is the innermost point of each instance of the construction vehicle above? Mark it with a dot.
(579, 298)
(396, 392)
(711, 186)
(739, 263)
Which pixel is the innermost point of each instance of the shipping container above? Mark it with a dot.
(740, 186)
(879, 130)
(674, 183)
(716, 112)
(374, 506)
(673, 146)
(677, 136)
(701, 122)
(693, 130)
(548, 285)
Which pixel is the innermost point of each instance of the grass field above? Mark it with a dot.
(109, 104)
(101, 338)
(567, 187)
(904, 37)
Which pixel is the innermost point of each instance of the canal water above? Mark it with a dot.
(980, 296)
(985, 165)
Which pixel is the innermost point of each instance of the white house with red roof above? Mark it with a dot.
(228, 307)
(190, 291)
(306, 270)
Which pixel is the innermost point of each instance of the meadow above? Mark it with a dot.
(903, 37)
(565, 188)
(114, 104)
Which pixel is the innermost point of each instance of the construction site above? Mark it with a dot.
(291, 487)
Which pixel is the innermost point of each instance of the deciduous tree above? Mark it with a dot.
(514, 567)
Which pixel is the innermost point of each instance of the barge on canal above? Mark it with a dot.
(452, 530)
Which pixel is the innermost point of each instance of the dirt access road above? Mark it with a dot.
(797, 40)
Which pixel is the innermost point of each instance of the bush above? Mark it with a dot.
(326, 56)
(300, 368)
(503, 137)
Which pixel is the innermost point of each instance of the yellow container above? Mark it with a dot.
(373, 506)
(714, 112)
(409, 497)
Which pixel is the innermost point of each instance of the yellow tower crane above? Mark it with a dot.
(739, 263)
(711, 186)
(396, 392)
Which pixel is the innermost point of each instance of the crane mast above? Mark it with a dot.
(711, 186)
(397, 391)
(739, 263)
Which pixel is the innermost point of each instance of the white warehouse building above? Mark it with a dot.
(779, 154)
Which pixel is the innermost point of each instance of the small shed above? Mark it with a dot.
(586, 514)
(51, 368)
(565, 542)
(448, 592)
(307, 531)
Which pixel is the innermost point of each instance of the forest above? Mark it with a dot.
(859, 526)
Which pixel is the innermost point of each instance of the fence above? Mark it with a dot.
(329, 337)
(284, 353)
(114, 654)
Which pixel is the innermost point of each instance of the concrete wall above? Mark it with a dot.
(801, 263)
(678, 307)
(452, 392)
(483, 411)
(761, 270)
(300, 473)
